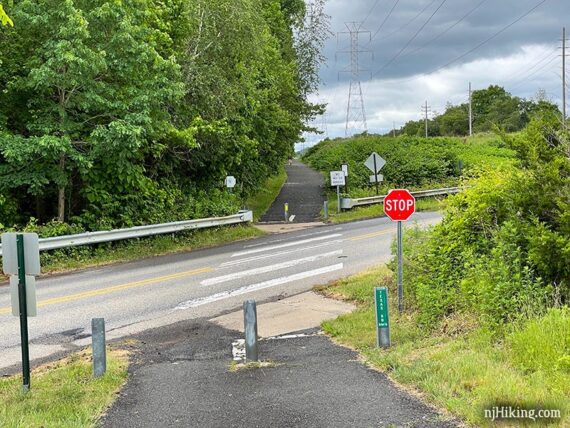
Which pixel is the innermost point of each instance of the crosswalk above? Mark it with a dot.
(277, 262)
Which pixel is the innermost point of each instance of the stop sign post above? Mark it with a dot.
(399, 205)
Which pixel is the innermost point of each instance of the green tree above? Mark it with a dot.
(92, 87)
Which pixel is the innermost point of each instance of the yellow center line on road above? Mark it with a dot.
(115, 288)
(372, 235)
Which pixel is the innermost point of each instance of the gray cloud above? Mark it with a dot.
(390, 97)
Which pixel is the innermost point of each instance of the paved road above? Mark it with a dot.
(181, 378)
(159, 291)
(304, 193)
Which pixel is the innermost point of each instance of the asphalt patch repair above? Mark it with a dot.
(181, 377)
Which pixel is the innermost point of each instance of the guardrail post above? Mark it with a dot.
(99, 347)
(250, 328)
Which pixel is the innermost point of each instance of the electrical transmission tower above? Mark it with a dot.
(426, 109)
(355, 112)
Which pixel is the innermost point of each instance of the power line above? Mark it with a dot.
(386, 18)
(370, 12)
(517, 76)
(516, 85)
(502, 30)
(455, 24)
(407, 23)
(411, 39)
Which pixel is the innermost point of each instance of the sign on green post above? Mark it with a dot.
(382, 317)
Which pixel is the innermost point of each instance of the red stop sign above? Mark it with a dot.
(399, 204)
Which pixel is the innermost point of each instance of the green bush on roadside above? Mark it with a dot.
(502, 249)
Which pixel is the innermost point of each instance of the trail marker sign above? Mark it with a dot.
(399, 205)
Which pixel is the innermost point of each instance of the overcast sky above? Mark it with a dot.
(437, 64)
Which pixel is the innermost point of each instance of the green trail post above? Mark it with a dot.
(23, 313)
(382, 317)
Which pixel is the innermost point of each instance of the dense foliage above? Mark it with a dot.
(491, 108)
(115, 113)
(503, 249)
(410, 161)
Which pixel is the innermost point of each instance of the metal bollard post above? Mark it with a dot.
(286, 211)
(99, 347)
(250, 327)
(326, 210)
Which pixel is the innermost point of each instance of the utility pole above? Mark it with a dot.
(394, 129)
(564, 77)
(324, 125)
(470, 111)
(355, 112)
(426, 110)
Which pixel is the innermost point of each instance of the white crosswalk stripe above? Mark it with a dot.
(279, 253)
(256, 287)
(268, 268)
(286, 245)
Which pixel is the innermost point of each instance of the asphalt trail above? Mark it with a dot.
(304, 193)
(181, 378)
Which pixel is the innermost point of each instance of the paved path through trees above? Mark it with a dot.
(304, 193)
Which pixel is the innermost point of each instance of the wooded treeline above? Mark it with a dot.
(122, 112)
(492, 108)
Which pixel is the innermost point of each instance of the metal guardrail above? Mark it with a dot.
(348, 203)
(140, 231)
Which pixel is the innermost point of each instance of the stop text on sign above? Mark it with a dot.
(399, 205)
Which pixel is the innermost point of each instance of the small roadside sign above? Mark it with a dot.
(338, 178)
(10, 253)
(375, 163)
(379, 178)
(344, 168)
(230, 181)
(31, 302)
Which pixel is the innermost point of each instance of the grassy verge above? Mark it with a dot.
(91, 256)
(262, 200)
(63, 394)
(460, 368)
(373, 211)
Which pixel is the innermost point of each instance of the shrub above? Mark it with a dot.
(411, 161)
(502, 249)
